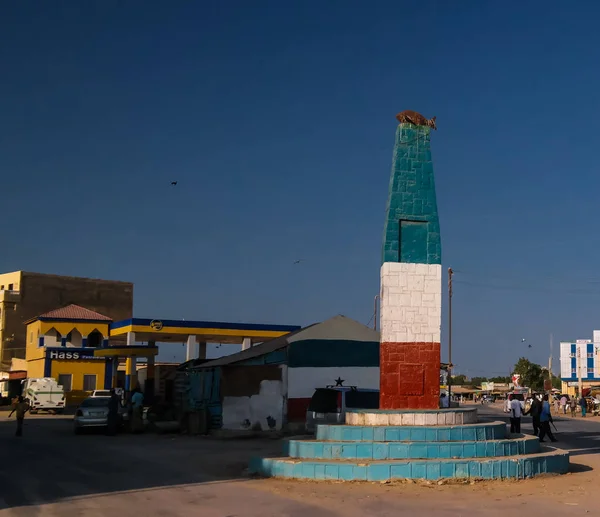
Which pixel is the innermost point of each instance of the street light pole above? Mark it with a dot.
(450, 273)
(375, 312)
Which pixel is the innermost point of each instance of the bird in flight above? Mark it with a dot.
(173, 183)
(297, 261)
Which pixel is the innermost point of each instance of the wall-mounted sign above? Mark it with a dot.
(72, 355)
(156, 325)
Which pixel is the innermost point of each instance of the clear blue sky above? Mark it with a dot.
(277, 121)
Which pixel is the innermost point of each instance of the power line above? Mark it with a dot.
(533, 289)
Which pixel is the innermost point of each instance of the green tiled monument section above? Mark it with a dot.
(412, 228)
(514, 467)
(311, 449)
(386, 452)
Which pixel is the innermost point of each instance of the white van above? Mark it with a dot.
(44, 394)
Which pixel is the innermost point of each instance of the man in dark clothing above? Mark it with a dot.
(113, 413)
(21, 407)
(535, 411)
(545, 419)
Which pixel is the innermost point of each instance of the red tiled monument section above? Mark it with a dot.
(409, 375)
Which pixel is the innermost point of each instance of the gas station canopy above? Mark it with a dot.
(177, 331)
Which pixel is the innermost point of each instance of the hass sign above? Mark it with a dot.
(74, 356)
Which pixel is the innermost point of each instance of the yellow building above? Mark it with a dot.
(61, 344)
(24, 295)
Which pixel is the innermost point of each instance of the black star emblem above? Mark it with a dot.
(339, 381)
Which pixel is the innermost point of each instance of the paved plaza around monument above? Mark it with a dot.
(179, 475)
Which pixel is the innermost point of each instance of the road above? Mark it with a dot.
(51, 472)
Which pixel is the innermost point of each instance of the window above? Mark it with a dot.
(64, 379)
(362, 400)
(590, 355)
(590, 370)
(94, 339)
(89, 382)
(10, 287)
(325, 401)
(1, 288)
(573, 370)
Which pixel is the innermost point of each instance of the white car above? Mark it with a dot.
(101, 393)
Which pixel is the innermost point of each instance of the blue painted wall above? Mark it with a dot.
(412, 228)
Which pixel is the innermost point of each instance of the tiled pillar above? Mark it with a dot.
(411, 275)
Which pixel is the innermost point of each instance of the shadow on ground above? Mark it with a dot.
(49, 463)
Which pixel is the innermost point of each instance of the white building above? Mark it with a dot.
(580, 358)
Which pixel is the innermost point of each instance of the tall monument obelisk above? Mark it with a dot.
(411, 274)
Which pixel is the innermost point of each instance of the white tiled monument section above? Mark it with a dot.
(411, 302)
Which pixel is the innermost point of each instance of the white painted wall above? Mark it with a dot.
(246, 412)
(76, 339)
(411, 302)
(565, 359)
(302, 382)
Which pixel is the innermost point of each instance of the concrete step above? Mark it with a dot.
(356, 433)
(411, 450)
(549, 461)
(411, 417)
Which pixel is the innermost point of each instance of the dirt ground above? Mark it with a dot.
(54, 473)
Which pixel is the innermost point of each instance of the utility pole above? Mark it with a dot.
(579, 370)
(375, 313)
(550, 363)
(450, 273)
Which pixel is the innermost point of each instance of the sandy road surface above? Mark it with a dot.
(52, 472)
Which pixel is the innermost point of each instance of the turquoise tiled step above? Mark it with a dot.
(407, 450)
(459, 433)
(552, 462)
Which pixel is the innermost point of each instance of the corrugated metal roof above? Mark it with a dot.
(74, 312)
(338, 327)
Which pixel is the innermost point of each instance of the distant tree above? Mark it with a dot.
(459, 379)
(501, 380)
(476, 381)
(556, 382)
(532, 374)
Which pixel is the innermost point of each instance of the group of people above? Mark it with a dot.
(562, 403)
(540, 415)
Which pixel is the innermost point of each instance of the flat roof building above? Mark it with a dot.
(25, 295)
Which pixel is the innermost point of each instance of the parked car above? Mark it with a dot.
(93, 413)
(329, 405)
(101, 393)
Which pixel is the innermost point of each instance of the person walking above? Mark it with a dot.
(137, 413)
(535, 410)
(583, 404)
(557, 405)
(563, 404)
(573, 407)
(20, 407)
(113, 413)
(545, 419)
(516, 412)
